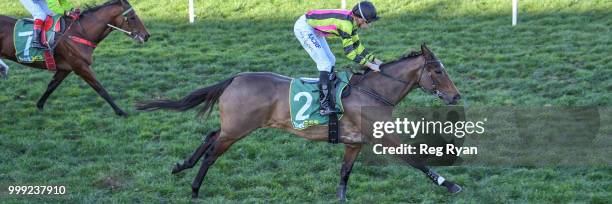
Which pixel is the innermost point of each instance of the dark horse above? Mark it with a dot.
(93, 25)
(249, 101)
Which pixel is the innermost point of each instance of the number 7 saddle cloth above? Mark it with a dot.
(304, 100)
(22, 37)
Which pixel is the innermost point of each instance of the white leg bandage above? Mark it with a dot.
(2, 64)
(4, 67)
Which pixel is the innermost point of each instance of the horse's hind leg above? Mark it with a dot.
(193, 159)
(216, 150)
(59, 76)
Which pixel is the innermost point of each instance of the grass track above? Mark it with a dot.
(558, 55)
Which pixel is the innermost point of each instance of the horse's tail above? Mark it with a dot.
(209, 96)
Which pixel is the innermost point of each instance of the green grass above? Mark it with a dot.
(558, 54)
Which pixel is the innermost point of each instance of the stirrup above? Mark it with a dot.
(39, 46)
(328, 112)
(37, 42)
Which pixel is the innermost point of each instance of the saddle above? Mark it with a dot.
(23, 33)
(304, 103)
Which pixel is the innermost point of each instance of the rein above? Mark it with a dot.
(89, 43)
(124, 14)
(385, 100)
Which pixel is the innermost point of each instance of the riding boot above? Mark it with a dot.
(38, 24)
(325, 94)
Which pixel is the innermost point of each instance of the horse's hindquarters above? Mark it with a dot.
(255, 100)
(7, 49)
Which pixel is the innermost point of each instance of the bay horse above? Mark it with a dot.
(249, 101)
(92, 26)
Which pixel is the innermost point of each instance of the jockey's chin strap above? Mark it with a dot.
(388, 102)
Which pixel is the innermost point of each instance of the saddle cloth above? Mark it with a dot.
(22, 36)
(304, 100)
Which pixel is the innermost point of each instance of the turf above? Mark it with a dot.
(558, 55)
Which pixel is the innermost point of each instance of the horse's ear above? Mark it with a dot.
(425, 50)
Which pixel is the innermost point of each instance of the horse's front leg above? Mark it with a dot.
(419, 163)
(350, 154)
(3, 69)
(59, 76)
(432, 175)
(85, 72)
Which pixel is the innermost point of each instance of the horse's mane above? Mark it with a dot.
(406, 56)
(94, 7)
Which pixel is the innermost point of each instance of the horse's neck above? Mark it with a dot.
(394, 91)
(97, 21)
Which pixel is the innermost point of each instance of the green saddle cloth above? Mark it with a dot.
(304, 101)
(22, 36)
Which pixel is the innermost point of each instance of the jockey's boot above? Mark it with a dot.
(325, 97)
(38, 24)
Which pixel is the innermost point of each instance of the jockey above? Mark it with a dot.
(311, 30)
(41, 13)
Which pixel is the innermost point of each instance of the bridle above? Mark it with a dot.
(125, 14)
(434, 83)
(388, 102)
(125, 20)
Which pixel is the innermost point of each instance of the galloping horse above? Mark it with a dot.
(92, 26)
(242, 111)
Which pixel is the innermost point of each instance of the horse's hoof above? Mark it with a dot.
(40, 107)
(194, 193)
(341, 197)
(121, 113)
(454, 189)
(341, 194)
(176, 168)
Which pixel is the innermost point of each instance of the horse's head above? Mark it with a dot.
(434, 79)
(128, 21)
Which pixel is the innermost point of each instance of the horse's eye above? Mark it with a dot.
(438, 71)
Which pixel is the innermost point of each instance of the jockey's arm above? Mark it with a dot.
(59, 6)
(353, 49)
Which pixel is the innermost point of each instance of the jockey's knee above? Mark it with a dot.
(325, 67)
(41, 16)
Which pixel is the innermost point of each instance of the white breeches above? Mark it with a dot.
(314, 44)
